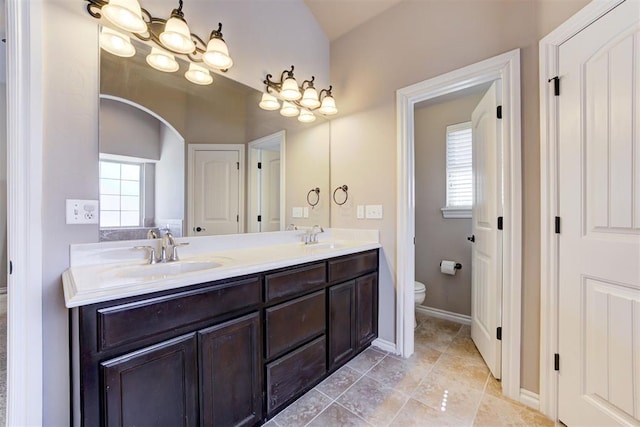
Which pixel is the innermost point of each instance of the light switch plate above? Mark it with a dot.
(360, 212)
(373, 211)
(297, 213)
(305, 212)
(82, 211)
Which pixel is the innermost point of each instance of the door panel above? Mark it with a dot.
(599, 203)
(270, 191)
(486, 258)
(216, 190)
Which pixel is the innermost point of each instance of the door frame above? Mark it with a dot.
(507, 68)
(256, 144)
(24, 215)
(191, 148)
(549, 191)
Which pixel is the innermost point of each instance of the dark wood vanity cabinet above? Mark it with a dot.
(227, 353)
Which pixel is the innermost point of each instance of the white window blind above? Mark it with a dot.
(120, 201)
(459, 166)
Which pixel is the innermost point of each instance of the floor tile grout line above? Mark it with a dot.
(484, 391)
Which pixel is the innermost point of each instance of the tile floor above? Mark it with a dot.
(445, 383)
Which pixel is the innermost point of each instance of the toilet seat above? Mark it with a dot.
(419, 286)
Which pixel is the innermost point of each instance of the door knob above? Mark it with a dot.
(471, 238)
(199, 229)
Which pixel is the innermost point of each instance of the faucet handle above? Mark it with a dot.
(174, 254)
(152, 253)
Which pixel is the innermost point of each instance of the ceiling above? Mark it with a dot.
(338, 17)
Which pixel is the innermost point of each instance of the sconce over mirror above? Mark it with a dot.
(185, 156)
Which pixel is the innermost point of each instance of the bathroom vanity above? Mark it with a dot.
(227, 352)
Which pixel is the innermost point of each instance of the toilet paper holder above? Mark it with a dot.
(458, 266)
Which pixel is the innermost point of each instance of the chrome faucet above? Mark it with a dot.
(168, 243)
(311, 236)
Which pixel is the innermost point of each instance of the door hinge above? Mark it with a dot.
(556, 362)
(414, 240)
(259, 218)
(238, 165)
(237, 218)
(500, 223)
(556, 85)
(499, 333)
(499, 111)
(557, 225)
(259, 165)
(10, 267)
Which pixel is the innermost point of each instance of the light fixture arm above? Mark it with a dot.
(309, 83)
(327, 92)
(177, 13)
(274, 87)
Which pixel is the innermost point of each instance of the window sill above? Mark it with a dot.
(456, 212)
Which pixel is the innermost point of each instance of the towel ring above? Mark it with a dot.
(313, 190)
(346, 195)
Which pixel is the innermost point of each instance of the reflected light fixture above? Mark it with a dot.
(305, 99)
(116, 43)
(288, 109)
(198, 74)
(170, 36)
(162, 60)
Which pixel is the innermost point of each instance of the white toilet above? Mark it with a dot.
(420, 292)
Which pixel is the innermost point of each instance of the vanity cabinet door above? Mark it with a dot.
(154, 386)
(342, 323)
(230, 374)
(366, 309)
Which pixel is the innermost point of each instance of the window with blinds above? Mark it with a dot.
(459, 171)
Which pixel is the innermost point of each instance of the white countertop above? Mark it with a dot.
(107, 271)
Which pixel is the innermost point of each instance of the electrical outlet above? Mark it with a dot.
(82, 211)
(360, 212)
(373, 211)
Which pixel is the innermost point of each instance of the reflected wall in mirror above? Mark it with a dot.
(202, 160)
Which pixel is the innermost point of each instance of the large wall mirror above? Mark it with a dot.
(202, 160)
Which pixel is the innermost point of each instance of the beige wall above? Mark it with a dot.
(307, 167)
(439, 238)
(412, 42)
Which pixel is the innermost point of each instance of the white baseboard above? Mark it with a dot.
(385, 345)
(530, 399)
(442, 314)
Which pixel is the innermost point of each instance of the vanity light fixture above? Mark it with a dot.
(170, 36)
(299, 101)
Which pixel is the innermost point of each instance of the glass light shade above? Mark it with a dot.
(198, 74)
(162, 60)
(269, 102)
(306, 116)
(288, 109)
(116, 43)
(125, 14)
(217, 54)
(290, 91)
(310, 98)
(328, 106)
(177, 37)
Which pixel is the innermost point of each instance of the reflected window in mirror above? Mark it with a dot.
(121, 201)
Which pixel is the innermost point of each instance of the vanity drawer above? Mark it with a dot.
(294, 281)
(351, 266)
(295, 372)
(134, 321)
(294, 322)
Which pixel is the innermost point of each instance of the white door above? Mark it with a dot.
(270, 191)
(486, 258)
(599, 208)
(216, 192)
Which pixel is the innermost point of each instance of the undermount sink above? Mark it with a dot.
(166, 269)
